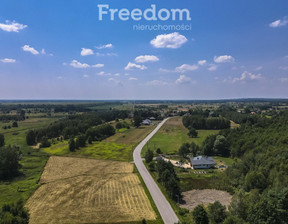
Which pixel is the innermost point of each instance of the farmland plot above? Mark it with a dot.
(76, 190)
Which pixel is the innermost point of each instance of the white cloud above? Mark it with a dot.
(86, 52)
(133, 79)
(259, 68)
(107, 54)
(212, 68)
(85, 76)
(284, 79)
(223, 59)
(202, 62)
(117, 74)
(98, 66)
(186, 67)
(279, 23)
(246, 76)
(284, 68)
(131, 66)
(60, 77)
(43, 51)
(8, 60)
(157, 83)
(146, 58)
(172, 40)
(27, 48)
(183, 79)
(102, 73)
(104, 46)
(12, 26)
(77, 64)
(165, 70)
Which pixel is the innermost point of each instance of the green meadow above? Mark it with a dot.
(96, 150)
(173, 134)
(33, 161)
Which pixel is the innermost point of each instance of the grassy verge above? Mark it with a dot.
(159, 219)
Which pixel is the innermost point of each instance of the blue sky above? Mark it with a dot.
(61, 50)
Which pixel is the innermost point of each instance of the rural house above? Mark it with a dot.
(202, 162)
(147, 122)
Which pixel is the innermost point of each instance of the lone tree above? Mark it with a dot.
(15, 124)
(137, 121)
(31, 138)
(192, 133)
(2, 140)
(72, 145)
(200, 215)
(149, 156)
(184, 150)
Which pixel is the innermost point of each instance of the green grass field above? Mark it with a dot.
(33, 161)
(96, 150)
(173, 134)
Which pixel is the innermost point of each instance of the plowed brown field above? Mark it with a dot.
(76, 190)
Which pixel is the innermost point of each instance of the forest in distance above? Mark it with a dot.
(250, 134)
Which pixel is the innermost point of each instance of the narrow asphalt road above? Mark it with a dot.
(165, 209)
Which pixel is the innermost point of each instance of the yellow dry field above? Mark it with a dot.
(76, 190)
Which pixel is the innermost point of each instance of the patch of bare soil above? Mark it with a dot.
(197, 197)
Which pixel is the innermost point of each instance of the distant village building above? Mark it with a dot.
(147, 122)
(202, 162)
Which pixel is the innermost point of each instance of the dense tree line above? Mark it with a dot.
(75, 125)
(201, 122)
(213, 145)
(260, 177)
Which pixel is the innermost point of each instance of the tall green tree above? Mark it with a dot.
(184, 150)
(200, 216)
(9, 162)
(2, 140)
(137, 121)
(45, 143)
(208, 145)
(195, 149)
(31, 137)
(192, 132)
(149, 156)
(216, 212)
(72, 145)
(221, 146)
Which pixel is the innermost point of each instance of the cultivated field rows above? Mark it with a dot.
(108, 192)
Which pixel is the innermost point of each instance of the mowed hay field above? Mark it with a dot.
(78, 190)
